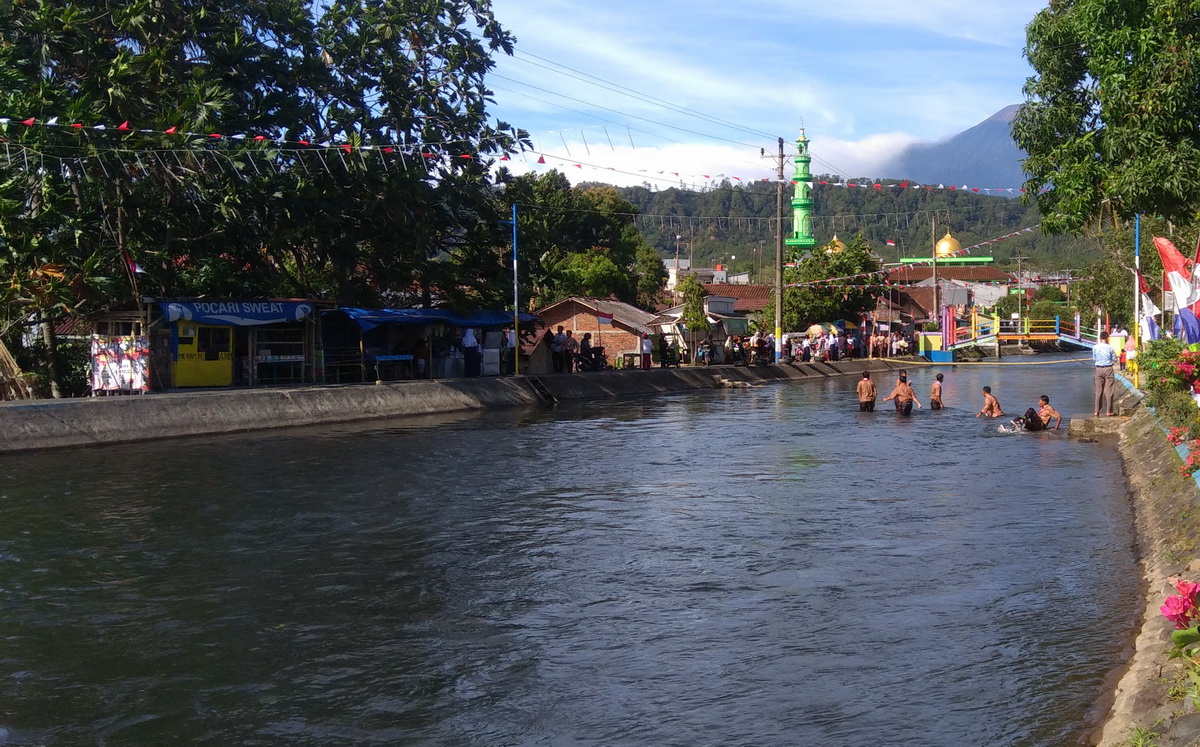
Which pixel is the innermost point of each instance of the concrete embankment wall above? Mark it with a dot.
(1166, 508)
(44, 424)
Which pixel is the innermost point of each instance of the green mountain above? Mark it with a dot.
(735, 220)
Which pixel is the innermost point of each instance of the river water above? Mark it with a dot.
(743, 567)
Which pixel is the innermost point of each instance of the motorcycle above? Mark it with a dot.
(597, 362)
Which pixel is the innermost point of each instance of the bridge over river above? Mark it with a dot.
(984, 330)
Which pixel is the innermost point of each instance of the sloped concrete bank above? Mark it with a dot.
(1166, 508)
(46, 424)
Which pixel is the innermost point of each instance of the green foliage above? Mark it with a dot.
(692, 294)
(1167, 371)
(805, 306)
(1139, 737)
(1110, 122)
(255, 218)
(878, 215)
(580, 241)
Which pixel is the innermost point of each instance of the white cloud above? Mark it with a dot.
(864, 76)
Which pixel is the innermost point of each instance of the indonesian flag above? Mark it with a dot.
(1148, 306)
(1175, 268)
(134, 268)
(603, 318)
(889, 242)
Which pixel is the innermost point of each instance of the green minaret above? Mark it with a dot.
(802, 205)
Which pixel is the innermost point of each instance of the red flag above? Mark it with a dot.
(603, 318)
(541, 159)
(1196, 276)
(29, 122)
(904, 184)
(170, 130)
(1178, 276)
(133, 266)
(124, 126)
(1143, 286)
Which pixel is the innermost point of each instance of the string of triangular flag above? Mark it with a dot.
(847, 279)
(125, 128)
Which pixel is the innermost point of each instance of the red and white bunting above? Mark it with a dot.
(125, 128)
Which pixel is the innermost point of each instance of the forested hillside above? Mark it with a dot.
(736, 220)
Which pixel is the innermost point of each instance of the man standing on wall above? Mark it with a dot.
(556, 350)
(1103, 357)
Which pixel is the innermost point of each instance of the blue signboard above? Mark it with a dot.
(236, 313)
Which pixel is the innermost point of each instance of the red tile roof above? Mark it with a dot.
(746, 298)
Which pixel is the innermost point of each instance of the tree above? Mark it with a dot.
(693, 317)
(580, 240)
(844, 298)
(246, 217)
(1112, 121)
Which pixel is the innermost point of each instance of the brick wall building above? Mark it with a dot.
(583, 315)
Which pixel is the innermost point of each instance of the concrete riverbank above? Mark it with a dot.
(1166, 508)
(46, 424)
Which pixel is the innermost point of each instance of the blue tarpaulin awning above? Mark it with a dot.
(371, 318)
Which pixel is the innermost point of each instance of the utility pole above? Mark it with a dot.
(1020, 287)
(779, 257)
(678, 273)
(937, 300)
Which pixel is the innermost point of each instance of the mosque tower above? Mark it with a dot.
(802, 238)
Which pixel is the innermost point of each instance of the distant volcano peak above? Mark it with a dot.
(1007, 114)
(984, 155)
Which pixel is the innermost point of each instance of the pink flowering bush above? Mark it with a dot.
(1180, 608)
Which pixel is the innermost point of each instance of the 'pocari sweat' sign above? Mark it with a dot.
(236, 313)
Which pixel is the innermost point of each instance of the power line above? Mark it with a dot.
(632, 93)
(625, 114)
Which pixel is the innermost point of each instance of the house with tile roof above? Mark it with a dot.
(579, 314)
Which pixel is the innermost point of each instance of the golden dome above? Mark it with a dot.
(948, 246)
(837, 246)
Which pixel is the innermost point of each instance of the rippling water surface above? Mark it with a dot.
(759, 567)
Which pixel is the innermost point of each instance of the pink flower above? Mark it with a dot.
(1177, 610)
(1188, 590)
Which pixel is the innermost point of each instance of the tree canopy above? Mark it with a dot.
(239, 216)
(1111, 124)
(804, 306)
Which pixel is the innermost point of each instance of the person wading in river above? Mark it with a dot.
(935, 394)
(903, 395)
(866, 393)
(991, 405)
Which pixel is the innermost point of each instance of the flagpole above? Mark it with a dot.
(1137, 291)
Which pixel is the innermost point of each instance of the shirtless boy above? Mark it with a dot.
(991, 405)
(1047, 413)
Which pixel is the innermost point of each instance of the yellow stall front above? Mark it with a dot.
(204, 355)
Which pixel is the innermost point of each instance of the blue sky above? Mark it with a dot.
(864, 77)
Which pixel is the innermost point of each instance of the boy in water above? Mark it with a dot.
(991, 405)
(1046, 413)
(866, 393)
(935, 394)
(904, 395)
